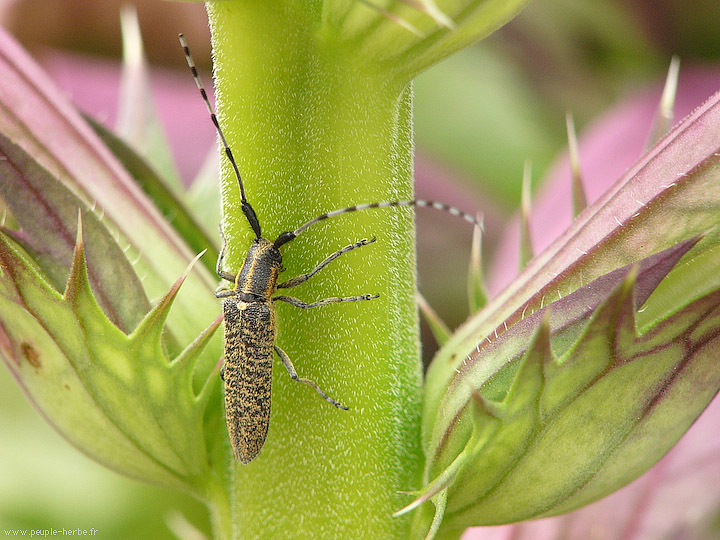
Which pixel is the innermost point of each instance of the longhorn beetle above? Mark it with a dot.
(249, 312)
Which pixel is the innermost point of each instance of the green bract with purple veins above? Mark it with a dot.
(573, 400)
(578, 438)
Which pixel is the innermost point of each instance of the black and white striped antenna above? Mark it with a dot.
(246, 206)
(287, 236)
(290, 235)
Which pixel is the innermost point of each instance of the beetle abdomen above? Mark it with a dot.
(249, 339)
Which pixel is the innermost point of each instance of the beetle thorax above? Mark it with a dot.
(259, 274)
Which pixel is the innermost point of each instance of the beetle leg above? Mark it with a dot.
(302, 278)
(294, 376)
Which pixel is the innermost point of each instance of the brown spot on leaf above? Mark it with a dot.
(31, 355)
(66, 386)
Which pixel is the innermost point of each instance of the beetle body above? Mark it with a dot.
(247, 374)
(249, 311)
(249, 317)
(250, 330)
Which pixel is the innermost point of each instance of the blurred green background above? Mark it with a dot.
(479, 116)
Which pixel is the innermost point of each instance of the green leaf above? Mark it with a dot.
(603, 403)
(48, 128)
(172, 207)
(82, 372)
(48, 212)
(670, 195)
(406, 37)
(203, 195)
(137, 119)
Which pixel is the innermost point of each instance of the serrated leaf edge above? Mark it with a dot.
(151, 327)
(537, 354)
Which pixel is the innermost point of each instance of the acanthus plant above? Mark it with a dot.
(566, 386)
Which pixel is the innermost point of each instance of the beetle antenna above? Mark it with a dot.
(246, 207)
(288, 236)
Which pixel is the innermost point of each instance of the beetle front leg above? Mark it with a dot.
(224, 293)
(219, 265)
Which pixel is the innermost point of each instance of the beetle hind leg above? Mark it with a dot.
(294, 376)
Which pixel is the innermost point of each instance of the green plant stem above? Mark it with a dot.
(314, 129)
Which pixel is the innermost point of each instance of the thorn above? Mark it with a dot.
(430, 8)
(152, 324)
(396, 19)
(189, 355)
(192, 263)
(413, 492)
(665, 111)
(477, 295)
(206, 391)
(439, 329)
(79, 243)
(132, 41)
(438, 485)
(77, 278)
(526, 251)
(578, 191)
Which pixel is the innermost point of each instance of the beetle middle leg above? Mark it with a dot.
(299, 303)
(302, 278)
(294, 376)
